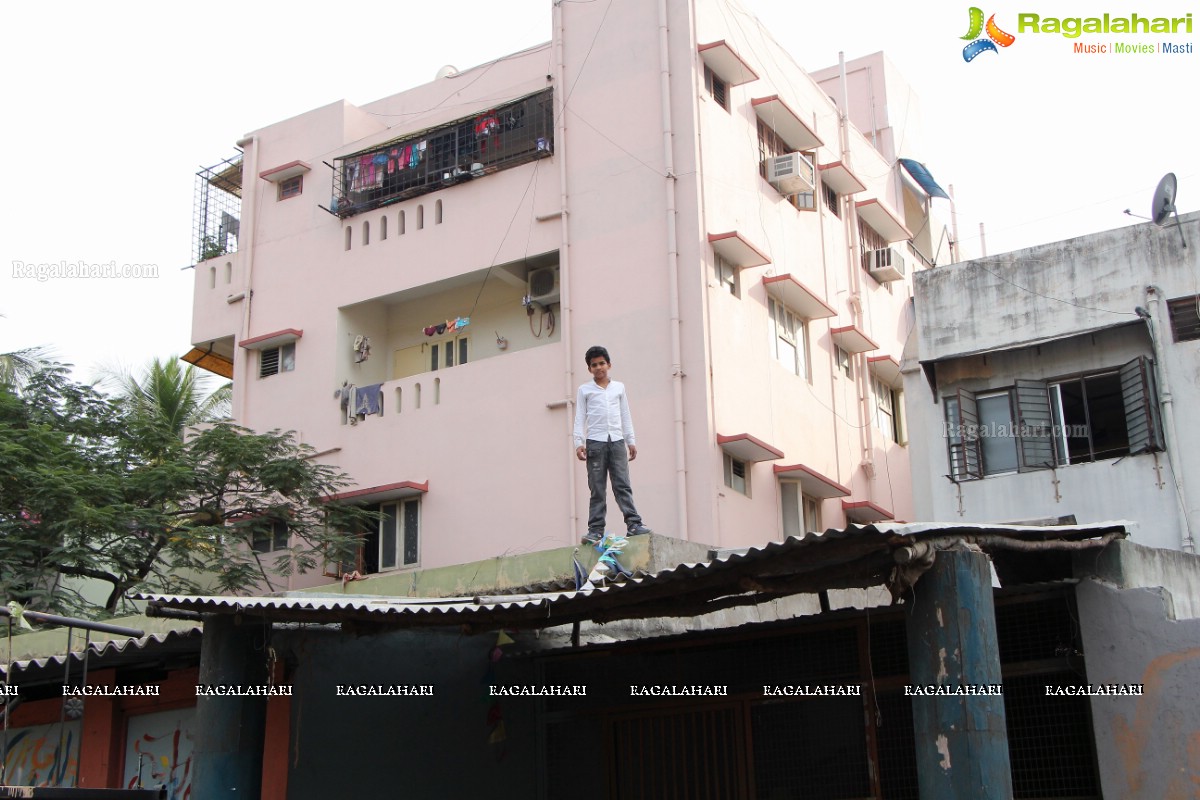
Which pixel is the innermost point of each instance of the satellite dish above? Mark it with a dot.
(1164, 199)
(446, 72)
(1163, 205)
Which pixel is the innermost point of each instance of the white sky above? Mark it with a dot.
(111, 110)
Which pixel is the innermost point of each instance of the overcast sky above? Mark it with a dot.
(110, 110)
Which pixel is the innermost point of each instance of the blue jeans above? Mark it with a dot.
(609, 461)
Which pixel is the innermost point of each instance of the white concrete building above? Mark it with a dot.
(656, 179)
(1057, 382)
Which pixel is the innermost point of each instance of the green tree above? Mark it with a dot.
(17, 366)
(93, 488)
(179, 396)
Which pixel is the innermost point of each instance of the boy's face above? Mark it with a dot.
(598, 366)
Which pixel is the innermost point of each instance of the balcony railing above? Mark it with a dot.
(217, 209)
(468, 148)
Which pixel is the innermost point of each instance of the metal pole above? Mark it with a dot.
(73, 622)
(62, 708)
(7, 703)
(87, 646)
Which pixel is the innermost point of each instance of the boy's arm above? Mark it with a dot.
(578, 432)
(627, 426)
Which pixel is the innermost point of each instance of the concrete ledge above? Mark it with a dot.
(1127, 565)
(545, 570)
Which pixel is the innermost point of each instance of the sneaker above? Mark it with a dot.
(638, 530)
(591, 538)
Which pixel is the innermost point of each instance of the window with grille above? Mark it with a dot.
(717, 88)
(869, 241)
(737, 475)
(831, 200)
(292, 187)
(1042, 424)
(1185, 318)
(274, 360)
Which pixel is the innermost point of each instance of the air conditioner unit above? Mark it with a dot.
(885, 264)
(543, 285)
(791, 173)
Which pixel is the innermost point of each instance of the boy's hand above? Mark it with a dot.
(632, 452)
(581, 453)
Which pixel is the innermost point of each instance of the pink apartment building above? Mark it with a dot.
(655, 181)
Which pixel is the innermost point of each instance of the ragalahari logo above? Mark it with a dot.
(995, 36)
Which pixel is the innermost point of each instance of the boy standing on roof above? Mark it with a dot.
(604, 439)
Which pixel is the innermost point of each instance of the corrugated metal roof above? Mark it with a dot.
(107, 654)
(856, 557)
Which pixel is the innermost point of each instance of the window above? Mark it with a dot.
(1038, 425)
(269, 540)
(869, 241)
(275, 360)
(843, 361)
(717, 88)
(831, 200)
(399, 528)
(292, 187)
(770, 144)
(726, 275)
(801, 513)
(391, 542)
(789, 339)
(737, 475)
(888, 409)
(1105, 415)
(449, 353)
(1185, 318)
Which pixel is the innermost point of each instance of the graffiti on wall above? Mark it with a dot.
(159, 747)
(42, 755)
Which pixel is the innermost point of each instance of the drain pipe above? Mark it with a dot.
(673, 273)
(564, 270)
(249, 147)
(861, 384)
(1153, 297)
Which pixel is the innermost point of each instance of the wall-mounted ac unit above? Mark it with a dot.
(885, 264)
(791, 173)
(543, 285)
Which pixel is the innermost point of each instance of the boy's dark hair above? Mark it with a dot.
(595, 352)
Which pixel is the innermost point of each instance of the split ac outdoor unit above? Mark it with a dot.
(543, 285)
(791, 173)
(885, 264)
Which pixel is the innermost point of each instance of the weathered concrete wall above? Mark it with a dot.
(405, 746)
(1127, 565)
(1148, 747)
(1080, 288)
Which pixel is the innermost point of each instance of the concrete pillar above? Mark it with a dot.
(229, 730)
(961, 741)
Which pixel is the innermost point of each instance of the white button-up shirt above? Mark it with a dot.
(602, 414)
